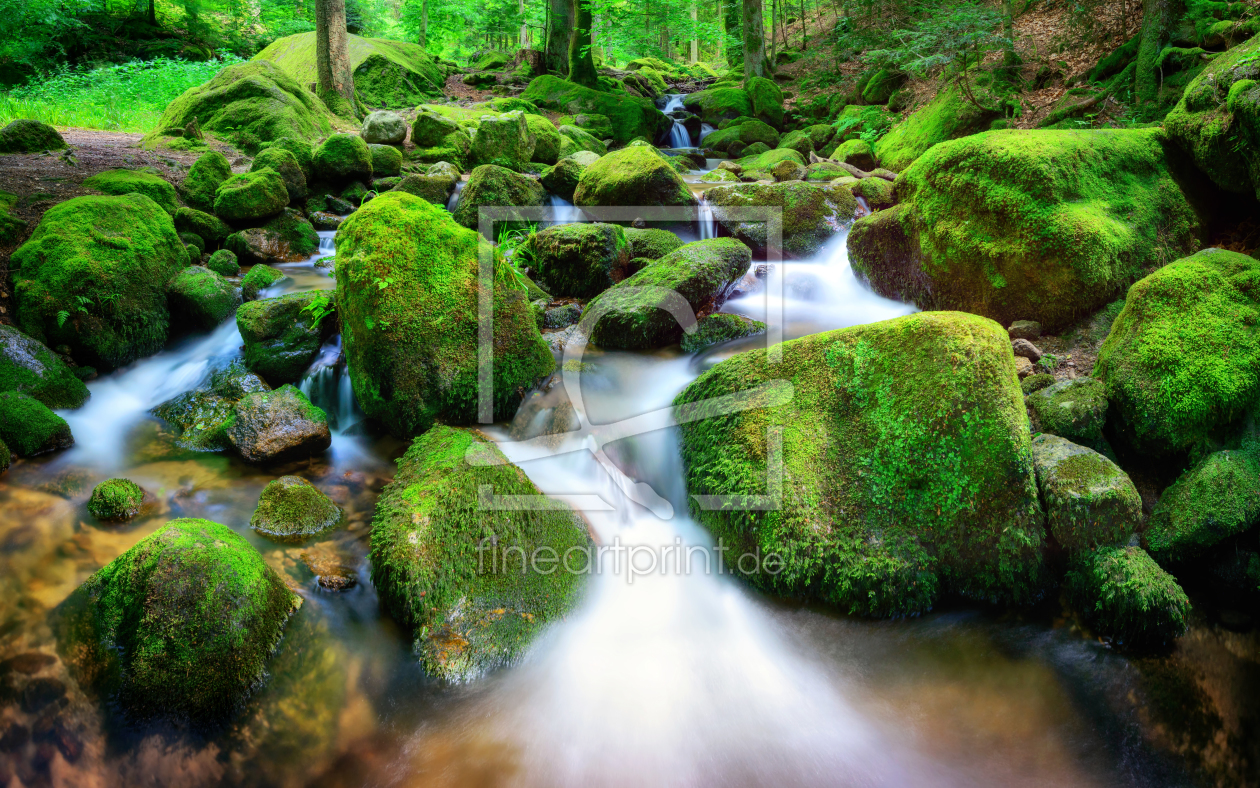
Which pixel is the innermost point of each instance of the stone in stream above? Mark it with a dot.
(204, 178)
(180, 626)
(562, 316)
(28, 427)
(324, 220)
(279, 425)
(878, 192)
(251, 197)
(811, 213)
(259, 278)
(580, 260)
(343, 158)
(443, 169)
(384, 127)
(468, 618)
(904, 473)
(562, 179)
(758, 167)
(718, 328)
(751, 132)
(1089, 501)
(201, 299)
(292, 509)
(282, 335)
(115, 499)
(211, 228)
(28, 366)
(118, 182)
(1216, 499)
(25, 135)
(288, 237)
(287, 166)
(496, 187)
(202, 416)
(224, 262)
(635, 176)
(1125, 596)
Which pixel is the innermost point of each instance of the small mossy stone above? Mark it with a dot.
(651, 243)
(200, 298)
(1089, 501)
(251, 196)
(282, 335)
(437, 189)
(1124, 594)
(223, 262)
(29, 136)
(1073, 409)
(632, 176)
(430, 130)
(856, 152)
(719, 176)
(194, 240)
(343, 158)
(757, 167)
(204, 178)
(580, 260)
(877, 192)
(29, 428)
(718, 328)
(384, 128)
(496, 187)
(1213, 501)
(118, 182)
(756, 149)
(1037, 382)
(751, 132)
(276, 426)
(292, 509)
(115, 499)
(386, 160)
(287, 166)
(27, 365)
(562, 178)
(562, 316)
(209, 227)
(579, 140)
(258, 279)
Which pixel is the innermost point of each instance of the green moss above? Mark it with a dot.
(719, 176)
(878, 193)
(298, 233)
(1126, 596)
(630, 116)
(854, 120)
(11, 227)
(29, 136)
(204, 178)
(201, 416)
(282, 335)
(907, 466)
(1037, 382)
(104, 262)
(195, 241)
(115, 499)
(466, 600)
(632, 176)
(118, 182)
(859, 153)
(407, 301)
(504, 141)
(1074, 409)
(799, 141)
(758, 167)
(717, 104)
(1038, 225)
(949, 115)
(251, 196)
(28, 427)
(749, 133)
(259, 278)
(651, 243)
(580, 260)
(28, 366)
(200, 298)
(387, 73)
(436, 189)
(1089, 501)
(292, 509)
(562, 179)
(766, 100)
(496, 187)
(223, 262)
(881, 85)
(574, 139)
(1214, 500)
(386, 160)
(210, 228)
(811, 213)
(286, 165)
(718, 328)
(546, 139)
(301, 150)
(343, 158)
(179, 626)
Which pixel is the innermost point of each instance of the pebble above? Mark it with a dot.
(1023, 367)
(1026, 349)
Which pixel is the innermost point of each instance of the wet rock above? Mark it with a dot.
(259, 278)
(27, 365)
(325, 220)
(1026, 349)
(562, 316)
(651, 243)
(580, 260)
(1124, 595)
(29, 428)
(384, 127)
(272, 426)
(718, 328)
(54, 729)
(291, 508)
(497, 187)
(632, 176)
(224, 263)
(562, 179)
(201, 299)
(811, 213)
(332, 570)
(788, 171)
(1025, 329)
(202, 416)
(1089, 501)
(40, 692)
(283, 335)
(28, 663)
(115, 499)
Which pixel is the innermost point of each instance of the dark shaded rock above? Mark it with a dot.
(272, 426)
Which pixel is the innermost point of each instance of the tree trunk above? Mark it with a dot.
(558, 35)
(732, 21)
(332, 59)
(524, 26)
(581, 58)
(424, 23)
(153, 13)
(695, 42)
(754, 39)
(804, 35)
(774, 21)
(1158, 19)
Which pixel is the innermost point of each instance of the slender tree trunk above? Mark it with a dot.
(804, 35)
(754, 39)
(732, 21)
(695, 42)
(332, 58)
(774, 21)
(1158, 19)
(424, 23)
(558, 35)
(581, 58)
(152, 13)
(524, 27)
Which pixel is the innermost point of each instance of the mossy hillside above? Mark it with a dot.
(343, 158)
(631, 317)
(286, 165)
(27, 365)
(630, 116)
(93, 276)
(204, 178)
(257, 279)
(407, 300)
(717, 104)
(1035, 225)
(118, 182)
(282, 335)
(718, 328)
(292, 509)
(386, 160)
(28, 427)
(251, 196)
(810, 213)
(581, 260)
(1089, 501)
(632, 176)
(115, 499)
(180, 626)
(496, 187)
(949, 115)
(1124, 594)
(249, 104)
(467, 613)
(1180, 362)
(854, 120)
(1216, 499)
(25, 135)
(201, 299)
(906, 458)
(651, 243)
(210, 228)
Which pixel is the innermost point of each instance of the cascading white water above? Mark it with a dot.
(679, 137)
(708, 225)
(706, 130)
(454, 198)
(563, 211)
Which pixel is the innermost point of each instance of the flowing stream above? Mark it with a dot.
(679, 137)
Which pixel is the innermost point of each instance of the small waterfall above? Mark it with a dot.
(326, 243)
(679, 137)
(708, 225)
(327, 385)
(706, 130)
(454, 200)
(563, 211)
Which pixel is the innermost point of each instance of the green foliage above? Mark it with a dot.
(1126, 596)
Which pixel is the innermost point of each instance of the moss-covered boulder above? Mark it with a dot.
(905, 473)
(115, 499)
(718, 328)
(292, 509)
(1182, 360)
(580, 260)
(93, 277)
(251, 196)
(579, 140)
(275, 426)
(859, 153)
(1216, 499)
(204, 178)
(1217, 120)
(799, 141)
(758, 167)
(201, 417)
(210, 228)
(766, 100)
(1089, 501)
(811, 213)
(504, 141)
(28, 427)
(949, 115)
(386, 160)
(562, 178)
(651, 243)
(258, 278)
(282, 335)
(749, 133)
(247, 104)
(201, 299)
(28, 366)
(287, 237)
(386, 72)
(29, 136)
(1124, 595)
(179, 626)
(632, 176)
(287, 166)
(546, 139)
(1106, 205)
(430, 129)
(119, 182)
(343, 158)
(411, 344)
(449, 570)
(383, 127)
(224, 263)
(878, 193)
(192, 239)
(717, 104)
(1074, 409)
(635, 314)
(437, 189)
(302, 150)
(630, 116)
(496, 187)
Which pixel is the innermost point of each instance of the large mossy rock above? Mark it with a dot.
(447, 568)
(632, 176)
(496, 187)
(210, 228)
(1217, 120)
(28, 427)
(343, 158)
(718, 104)
(1216, 499)
(29, 136)
(748, 132)
(204, 178)
(766, 100)
(949, 115)
(247, 104)
(810, 213)
(759, 166)
(28, 366)
(279, 425)
(251, 197)
(93, 276)
(287, 166)
(282, 335)
(1089, 501)
(651, 243)
(580, 260)
(387, 73)
(201, 299)
(180, 626)
(633, 314)
(546, 139)
(118, 182)
(1030, 225)
(630, 116)
(1124, 594)
(292, 509)
(411, 345)
(503, 140)
(906, 464)
(1182, 360)
(384, 128)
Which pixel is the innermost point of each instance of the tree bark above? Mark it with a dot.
(524, 26)
(732, 21)
(754, 39)
(152, 13)
(581, 58)
(1158, 19)
(695, 42)
(558, 35)
(424, 23)
(332, 59)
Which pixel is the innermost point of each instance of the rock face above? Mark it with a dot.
(904, 472)
(470, 618)
(384, 128)
(179, 626)
(630, 117)
(286, 165)
(1074, 409)
(272, 426)
(1089, 501)
(115, 499)
(632, 314)
(343, 158)
(411, 345)
(1096, 197)
(1214, 500)
(631, 177)
(28, 427)
(282, 335)
(119, 182)
(811, 213)
(1180, 363)
(29, 136)
(93, 276)
(504, 141)
(28, 366)
(204, 178)
(581, 260)
(201, 299)
(251, 196)
(496, 187)
(291, 509)
(203, 415)
(1126, 596)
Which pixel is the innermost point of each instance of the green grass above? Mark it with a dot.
(127, 97)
